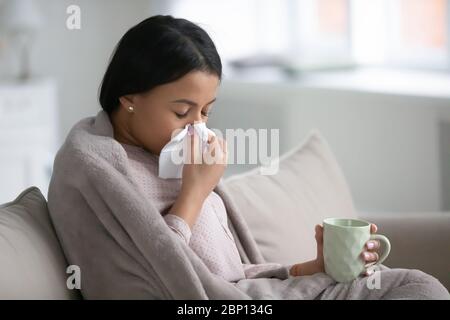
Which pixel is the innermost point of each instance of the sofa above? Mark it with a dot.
(281, 210)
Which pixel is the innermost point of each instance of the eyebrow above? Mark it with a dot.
(190, 102)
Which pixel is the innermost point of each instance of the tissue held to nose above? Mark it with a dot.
(172, 155)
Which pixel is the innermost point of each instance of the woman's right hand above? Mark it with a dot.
(202, 173)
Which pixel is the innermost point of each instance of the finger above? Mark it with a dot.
(373, 228)
(370, 256)
(217, 146)
(195, 154)
(211, 137)
(211, 144)
(318, 228)
(188, 155)
(372, 245)
(214, 152)
(224, 151)
(224, 146)
(319, 234)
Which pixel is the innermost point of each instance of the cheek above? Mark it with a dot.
(155, 129)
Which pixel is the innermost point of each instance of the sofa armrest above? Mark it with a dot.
(419, 241)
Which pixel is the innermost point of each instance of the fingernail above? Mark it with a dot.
(370, 245)
(366, 255)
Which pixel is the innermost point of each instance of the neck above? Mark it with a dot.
(121, 129)
(122, 133)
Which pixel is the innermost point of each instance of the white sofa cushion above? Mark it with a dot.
(283, 209)
(32, 264)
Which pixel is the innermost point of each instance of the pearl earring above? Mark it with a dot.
(131, 109)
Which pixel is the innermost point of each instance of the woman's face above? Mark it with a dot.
(164, 109)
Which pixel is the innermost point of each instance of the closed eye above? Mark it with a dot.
(183, 115)
(191, 104)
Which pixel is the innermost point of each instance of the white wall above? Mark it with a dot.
(390, 147)
(77, 59)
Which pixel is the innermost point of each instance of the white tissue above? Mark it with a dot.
(168, 169)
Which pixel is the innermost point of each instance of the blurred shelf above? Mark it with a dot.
(28, 133)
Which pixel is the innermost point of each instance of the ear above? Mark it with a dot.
(127, 100)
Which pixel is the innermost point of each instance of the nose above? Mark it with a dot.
(197, 115)
(194, 118)
(197, 118)
(192, 123)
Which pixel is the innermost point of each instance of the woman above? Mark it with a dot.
(164, 74)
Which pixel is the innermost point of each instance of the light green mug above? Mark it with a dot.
(343, 243)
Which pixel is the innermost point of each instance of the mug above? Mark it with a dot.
(343, 242)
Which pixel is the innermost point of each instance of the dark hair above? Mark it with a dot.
(156, 51)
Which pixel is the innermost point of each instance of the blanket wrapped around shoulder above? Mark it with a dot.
(125, 250)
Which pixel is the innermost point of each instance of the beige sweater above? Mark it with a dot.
(210, 237)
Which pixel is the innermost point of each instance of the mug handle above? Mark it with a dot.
(387, 248)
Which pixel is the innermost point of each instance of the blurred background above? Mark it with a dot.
(372, 75)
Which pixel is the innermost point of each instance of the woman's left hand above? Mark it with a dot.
(369, 254)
